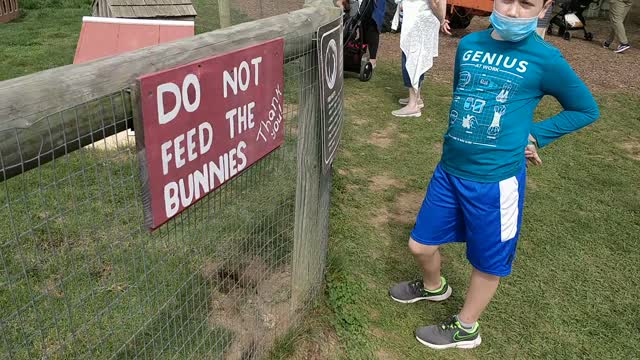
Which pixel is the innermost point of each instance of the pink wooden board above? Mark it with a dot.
(102, 37)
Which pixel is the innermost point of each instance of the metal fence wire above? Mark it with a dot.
(241, 11)
(83, 278)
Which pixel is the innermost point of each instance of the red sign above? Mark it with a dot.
(206, 122)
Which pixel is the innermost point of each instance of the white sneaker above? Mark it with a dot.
(405, 101)
(406, 113)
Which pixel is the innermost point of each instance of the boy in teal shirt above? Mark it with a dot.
(476, 194)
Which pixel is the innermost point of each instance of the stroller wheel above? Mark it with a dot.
(549, 30)
(366, 72)
(567, 35)
(588, 36)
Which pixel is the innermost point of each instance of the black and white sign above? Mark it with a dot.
(330, 62)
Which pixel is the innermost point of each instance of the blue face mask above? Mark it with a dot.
(513, 29)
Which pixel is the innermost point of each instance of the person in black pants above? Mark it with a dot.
(373, 20)
(373, 27)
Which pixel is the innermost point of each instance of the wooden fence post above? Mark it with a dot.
(224, 9)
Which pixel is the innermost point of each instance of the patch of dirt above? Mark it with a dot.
(382, 182)
(51, 288)
(601, 69)
(406, 207)
(383, 355)
(358, 120)
(352, 187)
(531, 185)
(352, 171)
(323, 346)
(383, 138)
(381, 218)
(250, 301)
(437, 147)
(632, 148)
(345, 153)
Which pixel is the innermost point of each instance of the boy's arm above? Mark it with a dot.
(580, 108)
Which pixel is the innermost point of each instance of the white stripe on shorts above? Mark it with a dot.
(509, 197)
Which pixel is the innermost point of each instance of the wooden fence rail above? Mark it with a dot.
(26, 100)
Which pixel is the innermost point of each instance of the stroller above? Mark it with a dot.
(570, 18)
(356, 58)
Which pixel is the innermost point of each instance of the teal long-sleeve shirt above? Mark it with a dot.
(497, 87)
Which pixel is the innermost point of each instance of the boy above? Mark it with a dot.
(476, 194)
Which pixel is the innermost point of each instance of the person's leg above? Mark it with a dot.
(417, 93)
(414, 96)
(622, 35)
(491, 248)
(405, 74)
(621, 9)
(438, 222)
(412, 108)
(492, 216)
(428, 259)
(616, 9)
(612, 30)
(372, 38)
(481, 290)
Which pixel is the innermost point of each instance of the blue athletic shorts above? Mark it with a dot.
(487, 216)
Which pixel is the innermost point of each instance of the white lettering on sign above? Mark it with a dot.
(241, 77)
(272, 126)
(181, 98)
(174, 149)
(184, 192)
(201, 121)
(242, 118)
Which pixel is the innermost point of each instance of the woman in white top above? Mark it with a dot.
(419, 44)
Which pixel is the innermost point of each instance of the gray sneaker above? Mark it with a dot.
(622, 48)
(408, 292)
(449, 335)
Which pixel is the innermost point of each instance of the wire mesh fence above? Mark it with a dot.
(259, 9)
(83, 278)
(241, 11)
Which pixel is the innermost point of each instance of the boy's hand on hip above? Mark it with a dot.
(531, 152)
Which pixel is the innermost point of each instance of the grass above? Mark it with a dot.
(573, 293)
(84, 286)
(46, 34)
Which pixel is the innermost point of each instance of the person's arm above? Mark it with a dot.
(580, 108)
(439, 8)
